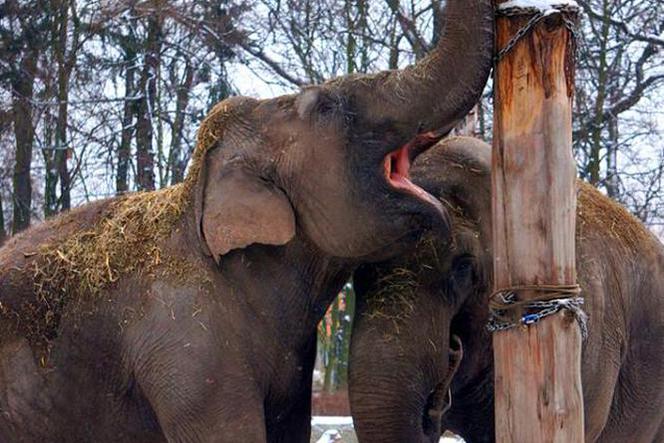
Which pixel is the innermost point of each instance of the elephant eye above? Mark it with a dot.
(329, 105)
(314, 102)
(463, 276)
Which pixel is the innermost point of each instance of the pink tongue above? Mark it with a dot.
(401, 182)
(402, 163)
(399, 178)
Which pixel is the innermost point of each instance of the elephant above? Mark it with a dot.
(189, 314)
(421, 353)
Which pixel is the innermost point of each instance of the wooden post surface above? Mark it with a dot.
(538, 396)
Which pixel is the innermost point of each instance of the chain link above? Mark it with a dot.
(542, 310)
(537, 16)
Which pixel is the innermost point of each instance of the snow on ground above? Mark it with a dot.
(330, 429)
(331, 421)
(330, 436)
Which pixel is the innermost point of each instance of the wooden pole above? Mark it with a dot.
(538, 395)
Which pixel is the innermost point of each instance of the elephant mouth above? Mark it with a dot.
(397, 167)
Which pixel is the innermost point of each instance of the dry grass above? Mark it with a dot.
(598, 213)
(395, 294)
(209, 133)
(125, 240)
(397, 285)
(128, 239)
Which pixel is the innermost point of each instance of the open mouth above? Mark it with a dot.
(397, 167)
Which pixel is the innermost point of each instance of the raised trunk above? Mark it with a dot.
(438, 91)
(24, 132)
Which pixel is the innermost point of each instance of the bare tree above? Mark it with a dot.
(619, 65)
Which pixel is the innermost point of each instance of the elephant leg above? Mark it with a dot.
(198, 399)
(659, 438)
(194, 378)
(296, 426)
(214, 419)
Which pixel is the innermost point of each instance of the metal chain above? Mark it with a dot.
(543, 309)
(518, 36)
(538, 15)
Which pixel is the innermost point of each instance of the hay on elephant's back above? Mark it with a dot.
(599, 213)
(127, 238)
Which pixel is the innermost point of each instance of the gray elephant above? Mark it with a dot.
(421, 355)
(190, 314)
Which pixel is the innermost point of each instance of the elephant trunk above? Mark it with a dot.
(387, 405)
(438, 91)
(398, 392)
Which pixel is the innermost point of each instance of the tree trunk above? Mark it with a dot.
(351, 32)
(124, 150)
(347, 317)
(612, 187)
(66, 62)
(3, 231)
(538, 396)
(22, 92)
(467, 126)
(329, 384)
(48, 153)
(145, 178)
(594, 162)
(612, 184)
(480, 118)
(177, 163)
(55, 150)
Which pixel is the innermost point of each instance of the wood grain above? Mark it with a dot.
(538, 395)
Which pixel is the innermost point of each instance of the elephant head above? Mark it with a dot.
(420, 313)
(331, 163)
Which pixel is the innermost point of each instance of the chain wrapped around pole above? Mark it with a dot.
(508, 310)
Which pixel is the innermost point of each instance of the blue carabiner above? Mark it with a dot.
(529, 319)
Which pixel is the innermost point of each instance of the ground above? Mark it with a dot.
(340, 430)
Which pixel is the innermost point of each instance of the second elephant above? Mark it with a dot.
(417, 312)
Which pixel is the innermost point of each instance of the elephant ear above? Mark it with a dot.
(236, 209)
